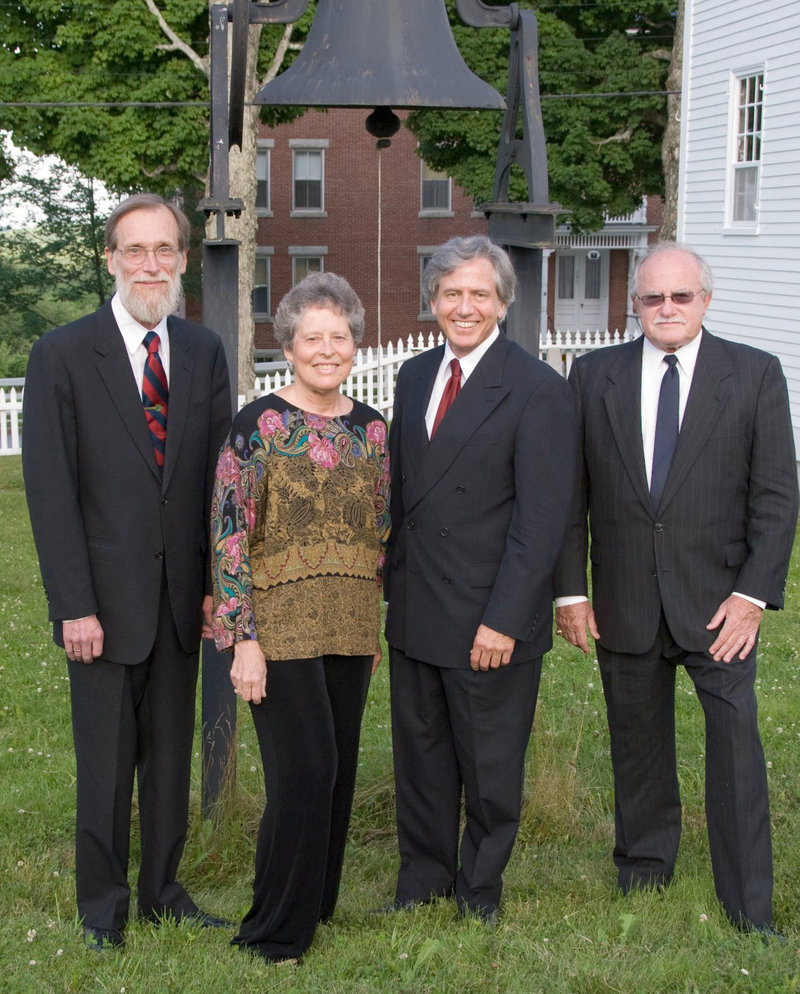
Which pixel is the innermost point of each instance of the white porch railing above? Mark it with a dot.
(371, 380)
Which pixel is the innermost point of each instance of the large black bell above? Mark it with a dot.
(380, 53)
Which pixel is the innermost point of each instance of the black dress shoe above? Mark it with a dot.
(769, 934)
(204, 920)
(102, 940)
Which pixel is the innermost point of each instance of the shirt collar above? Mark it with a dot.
(687, 355)
(471, 359)
(132, 332)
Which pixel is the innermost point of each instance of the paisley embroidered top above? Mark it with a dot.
(299, 524)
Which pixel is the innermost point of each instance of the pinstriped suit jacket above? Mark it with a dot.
(727, 515)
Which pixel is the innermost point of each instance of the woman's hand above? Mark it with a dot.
(376, 660)
(249, 671)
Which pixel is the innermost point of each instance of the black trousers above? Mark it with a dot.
(308, 729)
(133, 721)
(454, 730)
(640, 701)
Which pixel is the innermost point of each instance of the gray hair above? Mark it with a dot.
(147, 202)
(706, 279)
(463, 249)
(318, 290)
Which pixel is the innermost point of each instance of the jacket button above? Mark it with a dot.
(460, 490)
(446, 579)
(655, 572)
(444, 531)
(410, 525)
(163, 500)
(159, 554)
(659, 527)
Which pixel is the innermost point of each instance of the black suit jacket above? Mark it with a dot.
(727, 515)
(478, 513)
(106, 522)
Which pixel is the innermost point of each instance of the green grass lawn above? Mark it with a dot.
(563, 929)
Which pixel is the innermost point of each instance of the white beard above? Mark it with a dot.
(149, 308)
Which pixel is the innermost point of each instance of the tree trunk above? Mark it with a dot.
(671, 143)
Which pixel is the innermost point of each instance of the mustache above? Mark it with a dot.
(160, 278)
(677, 319)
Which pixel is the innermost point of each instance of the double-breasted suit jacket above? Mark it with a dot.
(727, 515)
(477, 513)
(106, 520)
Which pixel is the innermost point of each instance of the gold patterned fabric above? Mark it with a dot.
(299, 526)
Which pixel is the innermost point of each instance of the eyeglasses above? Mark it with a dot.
(657, 299)
(136, 254)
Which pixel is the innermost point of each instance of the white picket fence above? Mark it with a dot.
(371, 380)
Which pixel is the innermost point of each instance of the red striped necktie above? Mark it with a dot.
(155, 394)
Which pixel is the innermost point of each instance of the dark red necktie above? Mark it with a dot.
(451, 389)
(155, 393)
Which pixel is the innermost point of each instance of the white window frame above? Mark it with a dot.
(307, 252)
(264, 254)
(264, 148)
(745, 146)
(435, 176)
(308, 145)
(424, 252)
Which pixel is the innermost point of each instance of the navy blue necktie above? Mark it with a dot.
(666, 428)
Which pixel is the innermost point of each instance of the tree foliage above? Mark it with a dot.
(52, 264)
(604, 151)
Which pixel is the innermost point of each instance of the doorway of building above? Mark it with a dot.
(581, 290)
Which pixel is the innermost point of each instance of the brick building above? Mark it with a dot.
(320, 182)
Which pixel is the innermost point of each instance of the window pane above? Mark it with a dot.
(425, 304)
(308, 179)
(745, 182)
(262, 178)
(592, 279)
(566, 277)
(261, 285)
(305, 264)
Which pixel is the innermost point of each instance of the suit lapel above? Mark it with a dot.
(623, 400)
(180, 379)
(709, 393)
(419, 395)
(479, 396)
(114, 368)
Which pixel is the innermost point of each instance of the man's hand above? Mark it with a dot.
(490, 649)
(207, 609)
(572, 622)
(738, 633)
(249, 671)
(83, 639)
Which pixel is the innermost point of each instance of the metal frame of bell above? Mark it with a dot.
(525, 229)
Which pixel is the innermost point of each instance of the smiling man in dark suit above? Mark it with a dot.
(482, 462)
(688, 478)
(125, 410)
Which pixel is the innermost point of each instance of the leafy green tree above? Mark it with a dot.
(128, 54)
(604, 152)
(52, 266)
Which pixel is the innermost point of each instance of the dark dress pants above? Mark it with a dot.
(127, 721)
(640, 701)
(454, 729)
(308, 729)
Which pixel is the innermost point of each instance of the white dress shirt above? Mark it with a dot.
(133, 335)
(467, 363)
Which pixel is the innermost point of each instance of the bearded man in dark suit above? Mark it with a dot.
(689, 482)
(119, 449)
(480, 489)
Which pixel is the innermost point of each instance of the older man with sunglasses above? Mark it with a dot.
(689, 480)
